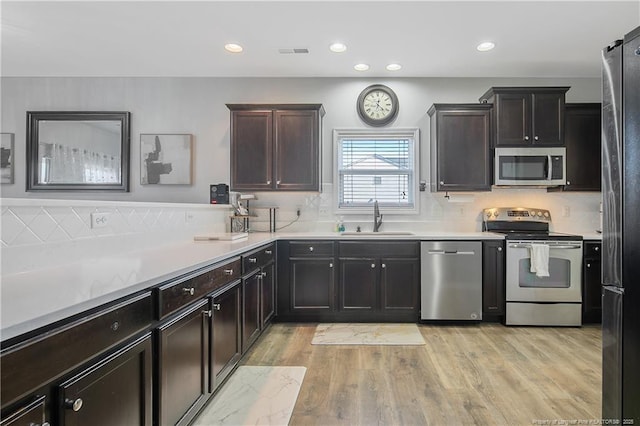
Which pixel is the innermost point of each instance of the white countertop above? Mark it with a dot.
(37, 298)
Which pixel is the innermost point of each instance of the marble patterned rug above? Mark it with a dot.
(367, 334)
(255, 395)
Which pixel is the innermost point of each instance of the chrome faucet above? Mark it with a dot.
(377, 217)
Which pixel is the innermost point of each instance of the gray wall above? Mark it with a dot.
(197, 106)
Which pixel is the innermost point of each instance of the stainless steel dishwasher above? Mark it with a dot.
(451, 280)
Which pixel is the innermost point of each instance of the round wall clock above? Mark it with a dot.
(378, 105)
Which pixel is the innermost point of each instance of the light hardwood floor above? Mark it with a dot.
(484, 374)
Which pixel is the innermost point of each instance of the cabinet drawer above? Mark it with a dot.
(592, 249)
(177, 294)
(379, 248)
(34, 363)
(258, 258)
(311, 248)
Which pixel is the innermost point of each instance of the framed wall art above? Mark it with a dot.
(165, 159)
(6, 157)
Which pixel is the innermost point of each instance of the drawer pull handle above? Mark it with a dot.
(216, 306)
(373, 265)
(74, 404)
(383, 265)
(268, 252)
(228, 271)
(264, 274)
(189, 290)
(499, 248)
(596, 248)
(331, 265)
(115, 326)
(207, 313)
(253, 260)
(588, 265)
(526, 138)
(311, 248)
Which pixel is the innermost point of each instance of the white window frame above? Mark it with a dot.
(397, 133)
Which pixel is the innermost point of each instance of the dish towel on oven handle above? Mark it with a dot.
(540, 259)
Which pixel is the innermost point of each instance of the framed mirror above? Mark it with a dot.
(69, 150)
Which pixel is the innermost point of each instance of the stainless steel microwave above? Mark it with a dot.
(538, 166)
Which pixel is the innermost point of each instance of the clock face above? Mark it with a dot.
(377, 105)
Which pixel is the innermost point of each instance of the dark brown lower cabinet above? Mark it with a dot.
(268, 294)
(114, 391)
(32, 413)
(399, 281)
(312, 285)
(250, 309)
(591, 283)
(226, 347)
(493, 279)
(358, 284)
(183, 365)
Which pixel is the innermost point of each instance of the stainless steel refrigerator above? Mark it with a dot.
(621, 230)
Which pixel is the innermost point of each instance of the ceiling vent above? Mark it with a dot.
(288, 51)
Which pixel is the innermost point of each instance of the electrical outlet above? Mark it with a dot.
(99, 220)
(566, 211)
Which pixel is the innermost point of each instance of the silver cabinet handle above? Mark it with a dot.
(74, 404)
(259, 276)
(264, 274)
(588, 265)
(189, 290)
(568, 183)
(268, 252)
(383, 265)
(331, 265)
(277, 182)
(526, 138)
(373, 265)
(208, 313)
(441, 182)
(596, 248)
(499, 248)
(535, 138)
(216, 306)
(253, 260)
(311, 248)
(228, 271)
(268, 182)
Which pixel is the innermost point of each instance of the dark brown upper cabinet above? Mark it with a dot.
(276, 147)
(460, 147)
(526, 116)
(583, 139)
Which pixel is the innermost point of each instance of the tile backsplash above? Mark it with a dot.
(42, 233)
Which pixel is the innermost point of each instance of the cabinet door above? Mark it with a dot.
(183, 365)
(251, 150)
(268, 294)
(31, 414)
(312, 284)
(513, 119)
(113, 391)
(591, 285)
(493, 278)
(297, 147)
(399, 284)
(226, 342)
(250, 309)
(583, 139)
(358, 284)
(463, 150)
(548, 119)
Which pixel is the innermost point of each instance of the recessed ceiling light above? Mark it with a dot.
(233, 48)
(338, 47)
(361, 67)
(485, 46)
(393, 67)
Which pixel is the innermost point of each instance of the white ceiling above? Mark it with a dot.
(429, 38)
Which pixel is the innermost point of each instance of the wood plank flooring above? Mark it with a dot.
(485, 374)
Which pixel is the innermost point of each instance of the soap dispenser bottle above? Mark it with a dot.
(341, 227)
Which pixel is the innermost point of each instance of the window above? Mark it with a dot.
(376, 165)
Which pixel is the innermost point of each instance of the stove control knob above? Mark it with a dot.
(539, 214)
(532, 213)
(546, 214)
(488, 215)
(496, 214)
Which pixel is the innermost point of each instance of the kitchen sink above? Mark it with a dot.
(375, 234)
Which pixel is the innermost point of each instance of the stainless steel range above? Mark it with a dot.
(550, 293)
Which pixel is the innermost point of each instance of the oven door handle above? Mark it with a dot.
(571, 247)
(550, 167)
